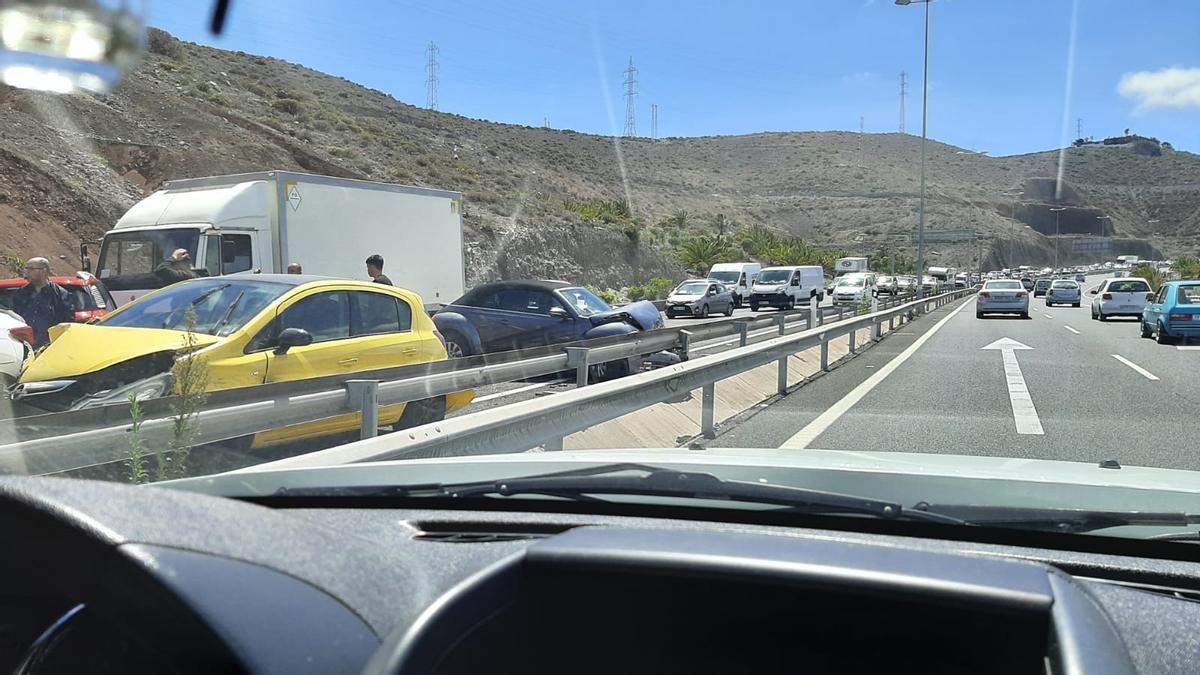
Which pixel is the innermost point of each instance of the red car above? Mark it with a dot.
(89, 298)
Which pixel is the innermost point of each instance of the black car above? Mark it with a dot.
(508, 315)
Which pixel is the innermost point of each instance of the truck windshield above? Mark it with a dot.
(140, 251)
(730, 277)
(774, 276)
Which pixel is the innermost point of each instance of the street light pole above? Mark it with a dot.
(1056, 211)
(924, 137)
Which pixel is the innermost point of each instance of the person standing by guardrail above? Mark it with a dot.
(41, 302)
(375, 270)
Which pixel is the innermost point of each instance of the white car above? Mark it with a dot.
(1122, 296)
(850, 290)
(15, 338)
(1063, 292)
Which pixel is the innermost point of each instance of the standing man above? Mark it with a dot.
(176, 268)
(375, 270)
(41, 302)
(294, 268)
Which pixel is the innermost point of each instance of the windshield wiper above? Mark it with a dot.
(195, 301)
(228, 313)
(582, 484)
(1072, 521)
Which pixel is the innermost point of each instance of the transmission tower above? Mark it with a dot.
(903, 93)
(1078, 127)
(654, 120)
(431, 76)
(862, 145)
(545, 122)
(630, 93)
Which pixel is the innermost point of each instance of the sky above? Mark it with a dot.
(1004, 75)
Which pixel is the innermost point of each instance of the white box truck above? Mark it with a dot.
(261, 222)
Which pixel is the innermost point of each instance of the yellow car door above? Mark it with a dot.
(382, 323)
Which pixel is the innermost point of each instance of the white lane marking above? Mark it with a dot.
(1072, 330)
(818, 426)
(1048, 316)
(1025, 415)
(1140, 370)
(1188, 348)
(511, 392)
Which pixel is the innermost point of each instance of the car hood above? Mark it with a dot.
(903, 477)
(78, 348)
(643, 313)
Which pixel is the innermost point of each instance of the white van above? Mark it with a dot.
(786, 287)
(737, 277)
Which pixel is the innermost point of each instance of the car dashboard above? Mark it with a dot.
(104, 578)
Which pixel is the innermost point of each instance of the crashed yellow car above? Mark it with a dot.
(249, 330)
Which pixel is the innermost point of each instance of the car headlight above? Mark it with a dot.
(151, 387)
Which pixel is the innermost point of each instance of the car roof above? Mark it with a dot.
(522, 284)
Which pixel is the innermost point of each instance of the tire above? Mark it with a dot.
(978, 314)
(1076, 304)
(754, 307)
(1100, 315)
(737, 301)
(1161, 336)
(424, 411)
(1146, 330)
(1049, 304)
(791, 303)
(1093, 312)
(820, 298)
(704, 312)
(670, 315)
(729, 309)
(1024, 315)
(457, 346)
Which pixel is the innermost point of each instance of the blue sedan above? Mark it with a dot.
(1173, 313)
(508, 315)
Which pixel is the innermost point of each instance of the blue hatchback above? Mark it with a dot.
(1173, 313)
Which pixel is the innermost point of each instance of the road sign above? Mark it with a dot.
(1094, 244)
(946, 236)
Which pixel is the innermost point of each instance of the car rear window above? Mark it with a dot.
(1003, 285)
(1188, 295)
(1128, 287)
(1064, 284)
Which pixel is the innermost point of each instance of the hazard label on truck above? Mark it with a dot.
(292, 190)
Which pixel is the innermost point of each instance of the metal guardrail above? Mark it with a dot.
(58, 442)
(521, 426)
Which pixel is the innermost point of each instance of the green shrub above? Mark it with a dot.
(635, 293)
(270, 122)
(286, 105)
(608, 295)
(659, 288)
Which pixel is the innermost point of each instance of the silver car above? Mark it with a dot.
(1002, 296)
(1063, 292)
(699, 298)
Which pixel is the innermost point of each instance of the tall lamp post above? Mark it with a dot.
(1102, 219)
(1016, 230)
(924, 135)
(1057, 211)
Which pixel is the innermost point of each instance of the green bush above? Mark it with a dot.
(608, 211)
(1150, 274)
(635, 293)
(608, 295)
(286, 105)
(270, 122)
(659, 288)
(203, 87)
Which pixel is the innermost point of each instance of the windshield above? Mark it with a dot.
(774, 276)
(140, 252)
(546, 162)
(726, 277)
(220, 306)
(584, 301)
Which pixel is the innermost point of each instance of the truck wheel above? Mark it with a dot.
(791, 303)
(457, 346)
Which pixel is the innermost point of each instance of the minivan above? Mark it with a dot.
(786, 287)
(738, 277)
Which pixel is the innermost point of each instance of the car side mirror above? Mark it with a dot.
(1150, 297)
(292, 337)
(1092, 292)
(559, 313)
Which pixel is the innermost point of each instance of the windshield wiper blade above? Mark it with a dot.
(583, 484)
(195, 301)
(229, 312)
(1072, 521)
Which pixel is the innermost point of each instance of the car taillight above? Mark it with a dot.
(984, 294)
(1180, 317)
(1106, 296)
(23, 333)
(1020, 294)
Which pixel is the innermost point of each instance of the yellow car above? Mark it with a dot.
(249, 330)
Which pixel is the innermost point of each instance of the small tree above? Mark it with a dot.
(135, 458)
(190, 373)
(1151, 275)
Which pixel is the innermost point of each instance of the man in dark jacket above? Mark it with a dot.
(176, 268)
(375, 270)
(41, 302)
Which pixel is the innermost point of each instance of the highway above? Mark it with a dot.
(1081, 390)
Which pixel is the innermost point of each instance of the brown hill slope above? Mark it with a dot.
(70, 166)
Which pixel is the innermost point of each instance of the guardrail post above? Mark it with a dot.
(874, 303)
(824, 354)
(743, 328)
(577, 357)
(685, 344)
(813, 312)
(841, 310)
(708, 399)
(553, 445)
(782, 369)
(877, 329)
(781, 319)
(852, 335)
(364, 395)
(891, 323)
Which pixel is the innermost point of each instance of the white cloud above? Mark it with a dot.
(1166, 88)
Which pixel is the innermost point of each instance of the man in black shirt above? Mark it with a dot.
(176, 268)
(41, 302)
(375, 270)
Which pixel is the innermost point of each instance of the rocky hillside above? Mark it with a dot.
(70, 166)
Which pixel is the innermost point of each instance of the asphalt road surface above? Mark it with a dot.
(1081, 390)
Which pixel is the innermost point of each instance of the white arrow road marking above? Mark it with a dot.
(1140, 370)
(1024, 413)
(1071, 329)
